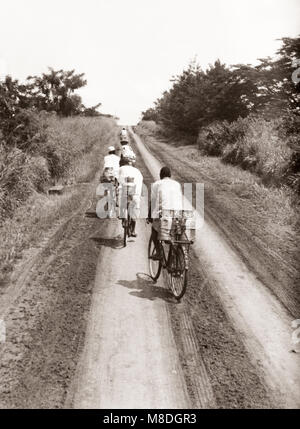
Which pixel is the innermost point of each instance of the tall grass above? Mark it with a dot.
(149, 128)
(258, 145)
(76, 144)
(72, 152)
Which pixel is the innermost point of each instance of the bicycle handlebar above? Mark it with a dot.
(177, 241)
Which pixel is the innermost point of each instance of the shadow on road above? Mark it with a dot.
(113, 242)
(145, 288)
(91, 214)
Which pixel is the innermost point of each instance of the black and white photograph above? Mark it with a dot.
(149, 208)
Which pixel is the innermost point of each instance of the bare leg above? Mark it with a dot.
(154, 234)
(133, 223)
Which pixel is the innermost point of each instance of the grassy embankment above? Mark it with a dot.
(71, 154)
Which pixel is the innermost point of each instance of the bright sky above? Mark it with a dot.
(129, 49)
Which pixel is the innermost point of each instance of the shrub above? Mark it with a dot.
(20, 175)
(55, 154)
(27, 130)
(269, 148)
(213, 139)
(289, 132)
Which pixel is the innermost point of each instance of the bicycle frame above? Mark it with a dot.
(185, 244)
(112, 194)
(126, 217)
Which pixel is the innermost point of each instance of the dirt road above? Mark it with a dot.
(130, 357)
(88, 329)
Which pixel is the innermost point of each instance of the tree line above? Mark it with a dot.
(53, 92)
(44, 130)
(199, 97)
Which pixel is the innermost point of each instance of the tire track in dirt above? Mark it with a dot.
(33, 259)
(202, 386)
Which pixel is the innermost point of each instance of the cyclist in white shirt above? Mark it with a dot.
(111, 162)
(126, 152)
(166, 194)
(123, 135)
(125, 172)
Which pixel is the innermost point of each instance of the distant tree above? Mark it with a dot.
(54, 91)
(13, 99)
(199, 97)
(150, 115)
(92, 111)
(277, 86)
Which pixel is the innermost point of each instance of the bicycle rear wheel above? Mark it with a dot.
(154, 265)
(125, 227)
(178, 272)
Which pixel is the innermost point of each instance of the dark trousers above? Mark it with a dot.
(154, 235)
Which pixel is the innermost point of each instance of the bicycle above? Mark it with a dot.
(175, 261)
(126, 201)
(110, 184)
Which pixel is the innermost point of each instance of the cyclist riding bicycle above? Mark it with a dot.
(123, 135)
(166, 195)
(111, 163)
(126, 172)
(126, 152)
(109, 179)
(171, 236)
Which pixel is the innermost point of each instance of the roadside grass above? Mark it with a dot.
(267, 148)
(32, 219)
(279, 202)
(67, 151)
(80, 142)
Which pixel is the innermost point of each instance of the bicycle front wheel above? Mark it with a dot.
(154, 265)
(178, 272)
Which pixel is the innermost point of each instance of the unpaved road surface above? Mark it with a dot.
(88, 329)
(130, 357)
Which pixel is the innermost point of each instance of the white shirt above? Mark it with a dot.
(123, 133)
(166, 194)
(112, 161)
(127, 152)
(130, 171)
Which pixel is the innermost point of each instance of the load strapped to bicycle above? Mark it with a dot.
(177, 225)
(175, 232)
(109, 190)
